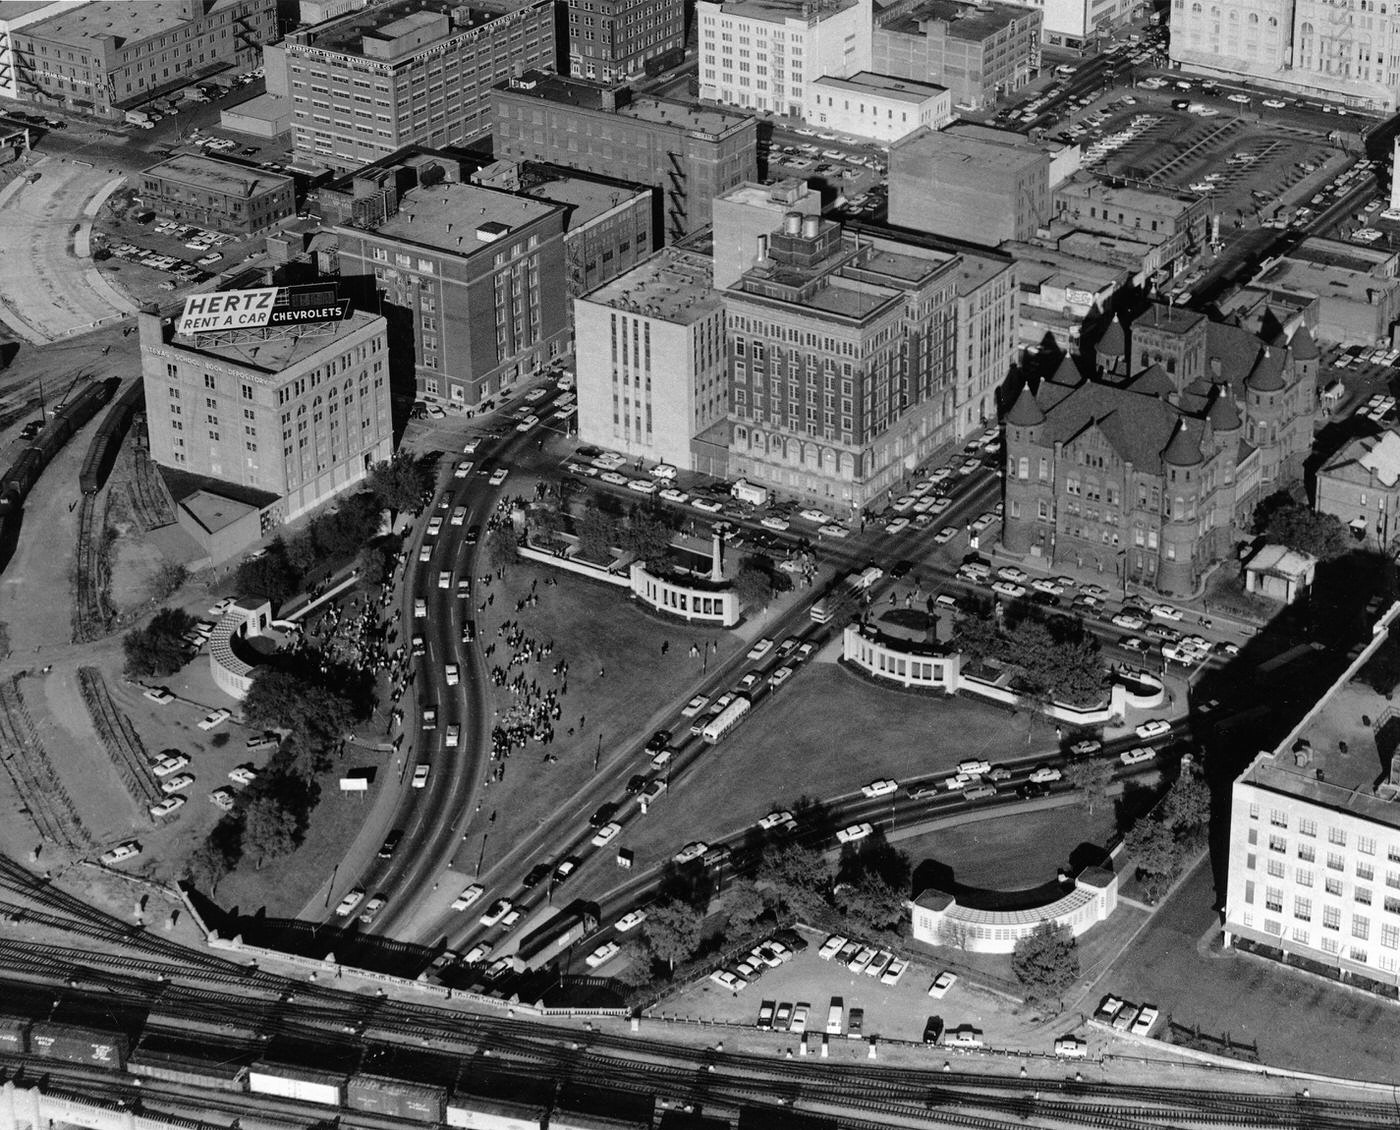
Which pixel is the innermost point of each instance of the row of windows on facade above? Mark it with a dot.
(919, 669)
(299, 386)
(1335, 861)
(1331, 915)
(145, 47)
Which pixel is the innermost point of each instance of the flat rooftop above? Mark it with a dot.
(991, 150)
(1139, 199)
(449, 216)
(780, 11)
(585, 95)
(273, 354)
(1038, 267)
(209, 174)
(127, 21)
(1379, 261)
(1320, 279)
(674, 285)
(389, 21)
(586, 199)
(960, 21)
(214, 512)
(883, 86)
(902, 266)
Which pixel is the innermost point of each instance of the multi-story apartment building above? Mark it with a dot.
(649, 352)
(1149, 470)
(1314, 855)
(296, 414)
(616, 40)
(876, 106)
(16, 17)
(218, 195)
(689, 154)
(407, 72)
(988, 304)
(764, 54)
(477, 274)
(1304, 46)
(970, 182)
(841, 362)
(100, 58)
(980, 52)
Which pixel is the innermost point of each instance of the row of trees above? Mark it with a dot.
(1164, 841)
(1056, 659)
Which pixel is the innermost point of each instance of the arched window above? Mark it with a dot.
(1273, 22)
(1254, 17)
(1306, 29)
(1023, 468)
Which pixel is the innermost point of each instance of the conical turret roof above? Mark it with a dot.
(1025, 413)
(1223, 415)
(1267, 374)
(1303, 344)
(1184, 448)
(1113, 343)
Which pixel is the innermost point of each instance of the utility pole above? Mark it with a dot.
(481, 857)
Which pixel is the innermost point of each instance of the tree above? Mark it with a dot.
(799, 877)
(399, 483)
(871, 902)
(744, 904)
(1297, 526)
(978, 635)
(269, 829)
(1157, 854)
(637, 962)
(270, 576)
(158, 648)
(753, 586)
(207, 864)
(283, 700)
(1091, 779)
(647, 538)
(1186, 807)
(672, 931)
(169, 579)
(1046, 963)
(503, 547)
(1059, 662)
(545, 524)
(596, 533)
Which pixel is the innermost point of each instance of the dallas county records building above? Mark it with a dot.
(217, 195)
(295, 413)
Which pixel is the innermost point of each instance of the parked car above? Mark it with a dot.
(942, 983)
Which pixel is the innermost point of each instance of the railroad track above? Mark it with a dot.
(118, 737)
(89, 620)
(32, 773)
(148, 499)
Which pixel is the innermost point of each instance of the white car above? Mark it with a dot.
(691, 852)
(533, 395)
(454, 734)
(1011, 573)
(695, 705)
(811, 515)
(171, 764)
(832, 530)
(854, 833)
(425, 551)
(462, 470)
(612, 478)
(780, 676)
(160, 695)
(1242, 99)
(444, 579)
(452, 674)
(1137, 755)
(893, 972)
(469, 446)
(706, 505)
(1045, 585)
(420, 776)
(176, 783)
(945, 535)
(727, 980)
(1142, 1026)
(349, 902)
(1165, 612)
(679, 497)
(898, 526)
(1129, 623)
(121, 853)
(774, 523)
(468, 896)
(1153, 728)
(761, 648)
(243, 775)
(434, 526)
(831, 947)
(498, 476)
(941, 984)
(1009, 590)
(779, 819)
(372, 909)
(526, 424)
(496, 912)
(1275, 103)
(882, 787)
(1045, 775)
(167, 806)
(641, 486)
(603, 954)
(630, 921)
(974, 767)
(606, 834)
(215, 718)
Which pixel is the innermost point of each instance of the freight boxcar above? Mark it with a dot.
(14, 1035)
(582, 1120)
(396, 1098)
(87, 1046)
(301, 1083)
(476, 1113)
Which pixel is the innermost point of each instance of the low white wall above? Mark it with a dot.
(707, 606)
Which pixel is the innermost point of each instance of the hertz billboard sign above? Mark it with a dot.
(268, 307)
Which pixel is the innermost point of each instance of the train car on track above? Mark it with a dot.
(87, 1046)
(305, 1084)
(542, 945)
(14, 1035)
(396, 1099)
(476, 1113)
(171, 1059)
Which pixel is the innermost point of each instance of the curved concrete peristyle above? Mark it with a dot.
(902, 661)
(231, 674)
(912, 664)
(938, 919)
(705, 606)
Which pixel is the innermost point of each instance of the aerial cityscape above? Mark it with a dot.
(717, 564)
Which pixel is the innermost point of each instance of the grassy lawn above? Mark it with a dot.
(826, 733)
(617, 681)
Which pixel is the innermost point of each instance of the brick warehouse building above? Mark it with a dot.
(1149, 469)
